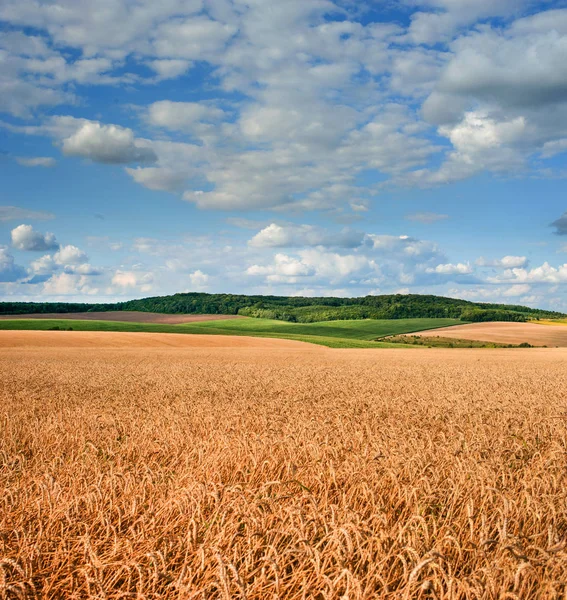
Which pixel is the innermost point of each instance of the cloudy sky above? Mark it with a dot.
(298, 147)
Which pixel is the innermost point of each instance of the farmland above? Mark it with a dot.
(125, 316)
(536, 334)
(176, 469)
(334, 334)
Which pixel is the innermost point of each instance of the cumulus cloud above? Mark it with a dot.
(25, 237)
(70, 255)
(542, 274)
(501, 99)
(43, 266)
(170, 68)
(181, 116)
(69, 284)
(303, 113)
(516, 290)
(198, 279)
(85, 269)
(283, 269)
(447, 16)
(289, 236)
(196, 38)
(69, 259)
(404, 247)
(9, 270)
(132, 279)
(311, 118)
(451, 269)
(506, 262)
(109, 144)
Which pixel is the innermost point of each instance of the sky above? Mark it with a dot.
(288, 147)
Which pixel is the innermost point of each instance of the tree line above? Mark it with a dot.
(300, 309)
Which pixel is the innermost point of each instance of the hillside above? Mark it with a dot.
(333, 334)
(300, 309)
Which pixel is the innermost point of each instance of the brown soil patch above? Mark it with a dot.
(106, 339)
(505, 333)
(127, 316)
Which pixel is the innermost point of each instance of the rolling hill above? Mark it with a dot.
(333, 334)
(301, 309)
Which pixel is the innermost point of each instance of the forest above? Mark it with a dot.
(301, 309)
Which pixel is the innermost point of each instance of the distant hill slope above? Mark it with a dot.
(301, 310)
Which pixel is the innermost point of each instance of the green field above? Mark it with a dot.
(333, 334)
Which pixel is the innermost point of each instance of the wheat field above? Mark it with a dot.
(296, 472)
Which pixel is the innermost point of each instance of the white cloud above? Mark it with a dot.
(199, 279)
(542, 274)
(506, 262)
(501, 98)
(404, 247)
(450, 15)
(197, 38)
(312, 108)
(133, 279)
(108, 144)
(114, 28)
(516, 290)
(9, 270)
(478, 132)
(159, 179)
(37, 161)
(44, 265)
(287, 236)
(451, 269)
(284, 268)
(554, 147)
(181, 116)
(68, 284)
(25, 237)
(83, 269)
(170, 68)
(69, 258)
(498, 294)
(70, 255)
(15, 213)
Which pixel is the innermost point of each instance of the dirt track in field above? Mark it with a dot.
(125, 340)
(505, 333)
(127, 317)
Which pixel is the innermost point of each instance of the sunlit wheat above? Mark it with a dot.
(207, 473)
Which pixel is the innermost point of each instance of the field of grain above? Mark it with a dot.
(293, 471)
(96, 339)
(125, 316)
(506, 333)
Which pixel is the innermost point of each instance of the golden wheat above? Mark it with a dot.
(263, 473)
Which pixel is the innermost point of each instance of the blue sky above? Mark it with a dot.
(310, 147)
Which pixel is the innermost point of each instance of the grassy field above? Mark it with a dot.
(333, 334)
(441, 342)
(296, 473)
